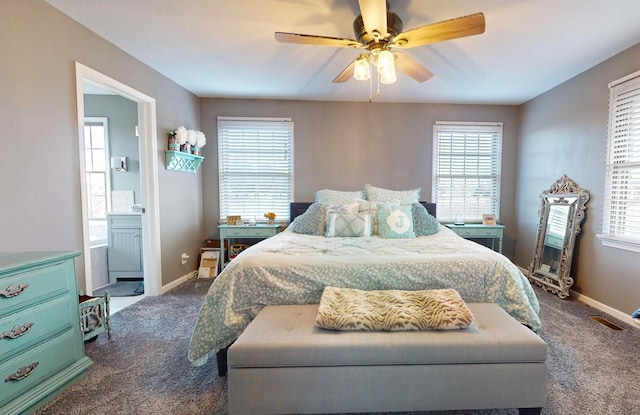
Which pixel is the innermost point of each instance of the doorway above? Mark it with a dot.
(148, 166)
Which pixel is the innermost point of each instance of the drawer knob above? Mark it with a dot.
(22, 373)
(14, 290)
(17, 331)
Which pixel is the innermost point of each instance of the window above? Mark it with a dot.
(466, 170)
(255, 167)
(621, 218)
(95, 147)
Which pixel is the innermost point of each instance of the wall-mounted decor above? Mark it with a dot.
(180, 161)
(186, 140)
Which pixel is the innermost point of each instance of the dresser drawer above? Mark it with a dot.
(39, 284)
(479, 232)
(249, 231)
(46, 359)
(36, 324)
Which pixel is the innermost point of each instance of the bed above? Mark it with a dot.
(292, 268)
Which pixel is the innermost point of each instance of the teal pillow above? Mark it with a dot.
(395, 221)
(423, 223)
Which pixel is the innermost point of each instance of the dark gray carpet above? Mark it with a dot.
(144, 370)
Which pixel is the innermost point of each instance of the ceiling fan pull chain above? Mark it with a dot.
(370, 84)
(378, 89)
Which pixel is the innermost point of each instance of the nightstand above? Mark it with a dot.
(480, 231)
(245, 232)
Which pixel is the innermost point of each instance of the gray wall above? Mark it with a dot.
(40, 203)
(564, 131)
(345, 145)
(122, 118)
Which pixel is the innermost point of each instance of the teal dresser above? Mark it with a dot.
(41, 347)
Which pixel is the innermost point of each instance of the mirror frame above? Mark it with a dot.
(566, 191)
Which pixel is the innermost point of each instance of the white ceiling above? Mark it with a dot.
(226, 48)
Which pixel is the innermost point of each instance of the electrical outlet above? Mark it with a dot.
(183, 259)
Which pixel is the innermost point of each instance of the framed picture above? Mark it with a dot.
(233, 219)
(209, 260)
(488, 219)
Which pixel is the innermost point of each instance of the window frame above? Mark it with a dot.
(97, 221)
(625, 89)
(471, 128)
(249, 211)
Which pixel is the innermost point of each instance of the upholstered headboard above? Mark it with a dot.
(298, 208)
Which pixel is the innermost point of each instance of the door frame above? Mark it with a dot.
(148, 147)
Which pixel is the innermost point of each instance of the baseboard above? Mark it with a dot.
(177, 282)
(599, 306)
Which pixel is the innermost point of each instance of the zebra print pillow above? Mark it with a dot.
(392, 310)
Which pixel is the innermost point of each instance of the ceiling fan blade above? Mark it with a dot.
(346, 74)
(374, 16)
(438, 32)
(283, 37)
(411, 67)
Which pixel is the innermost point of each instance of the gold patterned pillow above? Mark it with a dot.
(392, 310)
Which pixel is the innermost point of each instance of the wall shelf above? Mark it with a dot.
(180, 161)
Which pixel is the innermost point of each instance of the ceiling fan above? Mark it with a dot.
(379, 31)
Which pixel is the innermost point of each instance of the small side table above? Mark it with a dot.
(479, 231)
(245, 232)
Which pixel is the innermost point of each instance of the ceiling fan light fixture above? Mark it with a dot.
(386, 67)
(361, 71)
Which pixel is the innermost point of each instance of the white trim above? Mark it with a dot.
(626, 318)
(494, 124)
(272, 119)
(148, 174)
(624, 79)
(173, 284)
(617, 242)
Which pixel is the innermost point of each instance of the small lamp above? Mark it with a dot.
(361, 72)
(386, 67)
(119, 163)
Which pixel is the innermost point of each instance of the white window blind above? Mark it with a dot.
(621, 219)
(467, 161)
(255, 163)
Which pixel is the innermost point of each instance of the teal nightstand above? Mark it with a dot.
(480, 231)
(245, 232)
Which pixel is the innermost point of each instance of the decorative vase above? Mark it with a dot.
(173, 144)
(270, 221)
(195, 150)
(185, 148)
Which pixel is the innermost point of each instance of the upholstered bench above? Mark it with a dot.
(282, 364)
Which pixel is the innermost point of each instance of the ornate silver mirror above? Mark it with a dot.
(562, 210)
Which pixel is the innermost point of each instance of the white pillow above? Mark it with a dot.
(378, 194)
(337, 197)
(349, 225)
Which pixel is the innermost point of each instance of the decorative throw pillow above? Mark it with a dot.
(371, 207)
(310, 222)
(349, 208)
(405, 197)
(348, 225)
(395, 221)
(423, 223)
(337, 197)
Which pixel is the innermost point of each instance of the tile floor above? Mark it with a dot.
(118, 303)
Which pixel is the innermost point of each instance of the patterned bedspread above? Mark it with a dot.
(291, 268)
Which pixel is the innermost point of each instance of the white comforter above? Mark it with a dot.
(291, 268)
